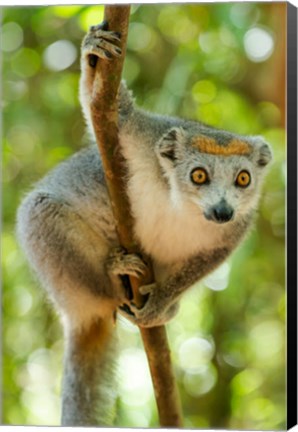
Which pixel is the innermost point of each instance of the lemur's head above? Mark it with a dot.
(219, 172)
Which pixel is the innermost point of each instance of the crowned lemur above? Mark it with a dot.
(193, 190)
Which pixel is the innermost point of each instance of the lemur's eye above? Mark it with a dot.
(199, 176)
(243, 179)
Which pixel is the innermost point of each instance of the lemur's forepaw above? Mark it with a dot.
(102, 43)
(154, 312)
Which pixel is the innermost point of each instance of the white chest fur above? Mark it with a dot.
(169, 234)
(168, 231)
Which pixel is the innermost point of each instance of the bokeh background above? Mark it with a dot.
(223, 64)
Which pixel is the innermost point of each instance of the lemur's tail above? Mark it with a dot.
(88, 390)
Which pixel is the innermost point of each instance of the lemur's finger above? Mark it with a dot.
(90, 50)
(108, 35)
(146, 289)
(109, 47)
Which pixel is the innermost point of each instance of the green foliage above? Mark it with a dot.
(228, 338)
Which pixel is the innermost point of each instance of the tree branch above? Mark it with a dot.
(104, 113)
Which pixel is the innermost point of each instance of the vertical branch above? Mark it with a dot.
(104, 113)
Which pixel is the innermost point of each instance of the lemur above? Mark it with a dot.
(193, 191)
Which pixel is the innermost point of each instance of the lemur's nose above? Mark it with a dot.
(222, 212)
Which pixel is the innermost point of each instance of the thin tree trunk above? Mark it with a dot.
(105, 121)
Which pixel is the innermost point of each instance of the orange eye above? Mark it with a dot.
(199, 176)
(243, 179)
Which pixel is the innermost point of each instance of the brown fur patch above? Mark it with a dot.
(210, 146)
(94, 337)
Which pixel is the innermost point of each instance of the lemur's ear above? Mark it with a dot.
(170, 144)
(263, 152)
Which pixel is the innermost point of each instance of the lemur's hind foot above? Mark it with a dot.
(102, 43)
(120, 264)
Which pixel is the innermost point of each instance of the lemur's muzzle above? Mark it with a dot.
(221, 212)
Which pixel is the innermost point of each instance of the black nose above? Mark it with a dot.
(222, 212)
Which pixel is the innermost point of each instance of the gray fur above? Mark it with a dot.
(66, 228)
(89, 383)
